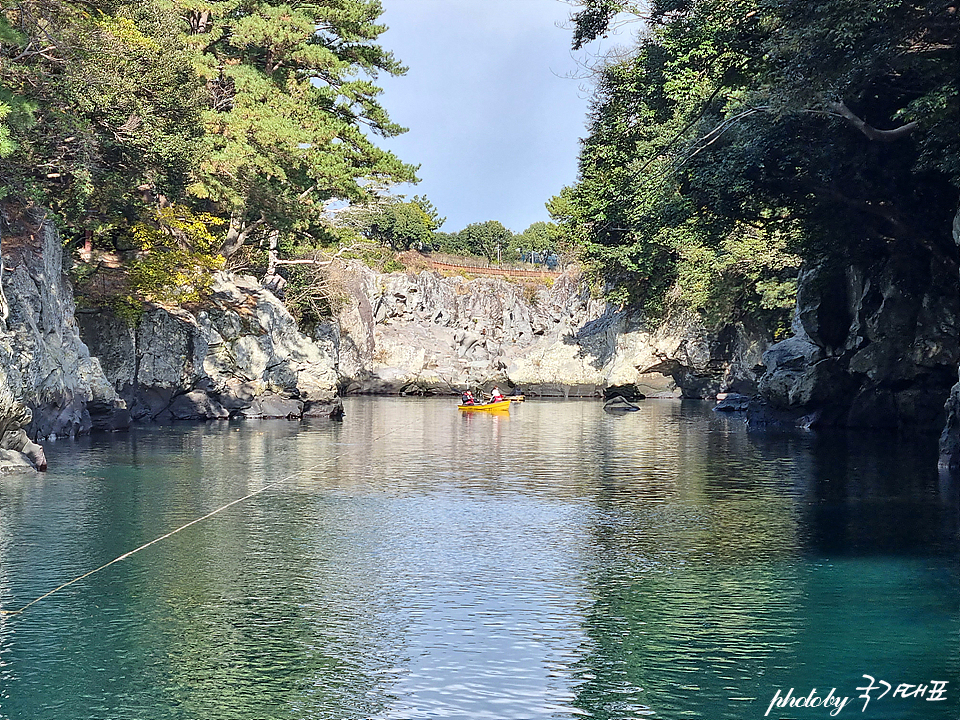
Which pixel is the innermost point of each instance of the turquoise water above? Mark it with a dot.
(414, 562)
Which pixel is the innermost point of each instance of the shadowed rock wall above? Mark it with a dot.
(874, 345)
(950, 438)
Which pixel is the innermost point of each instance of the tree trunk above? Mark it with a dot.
(273, 281)
(237, 233)
(871, 132)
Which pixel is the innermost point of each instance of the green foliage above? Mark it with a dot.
(540, 237)
(397, 224)
(727, 144)
(448, 242)
(486, 238)
(126, 308)
(243, 121)
(393, 265)
(287, 110)
(750, 274)
(7, 144)
(103, 106)
(595, 18)
(179, 226)
(482, 239)
(430, 211)
(178, 253)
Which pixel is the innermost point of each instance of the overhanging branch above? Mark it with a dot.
(871, 132)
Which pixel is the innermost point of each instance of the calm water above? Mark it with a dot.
(414, 562)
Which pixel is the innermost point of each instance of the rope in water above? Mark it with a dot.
(174, 532)
(142, 547)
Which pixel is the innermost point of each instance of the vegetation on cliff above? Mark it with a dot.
(169, 135)
(735, 137)
(246, 116)
(730, 141)
(98, 106)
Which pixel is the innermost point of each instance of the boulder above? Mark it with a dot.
(732, 402)
(17, 451)
(240, 354)
(12, 461)
(270, 405)
(618, 403)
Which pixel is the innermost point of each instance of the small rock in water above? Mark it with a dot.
(620, 404)
(731, 402)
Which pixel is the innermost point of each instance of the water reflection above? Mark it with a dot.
(419, 562)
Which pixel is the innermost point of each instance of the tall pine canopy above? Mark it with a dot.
(258, 113)
(292, 105)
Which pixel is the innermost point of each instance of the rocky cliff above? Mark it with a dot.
(423, 333)
(950, 438)
(64, 373)
(50, 386)
(240, 354)
(875, 345)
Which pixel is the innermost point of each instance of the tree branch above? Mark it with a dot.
(326, 259)
(238, 233)
(871, 132)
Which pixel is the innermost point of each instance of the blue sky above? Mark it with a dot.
(495, 120)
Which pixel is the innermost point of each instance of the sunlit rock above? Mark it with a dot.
(423, 333)
(239, 355)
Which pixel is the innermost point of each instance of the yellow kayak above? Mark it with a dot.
(502, 405)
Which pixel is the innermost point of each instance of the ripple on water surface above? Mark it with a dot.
(415, 562)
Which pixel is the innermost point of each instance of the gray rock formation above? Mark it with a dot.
(50, 386)
(950, 438)
(872, 346)
(240, 355)
(423, 333)
(619, 351)
(17, 451)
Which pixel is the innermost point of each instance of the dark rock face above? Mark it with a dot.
(950, 438)
(732, 402)
(873, 347)
(241, 355)
(51, 386)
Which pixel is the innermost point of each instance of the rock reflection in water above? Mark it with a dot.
(416, 562)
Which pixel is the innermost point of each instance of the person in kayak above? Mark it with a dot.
(466, 398)
(496, 395)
